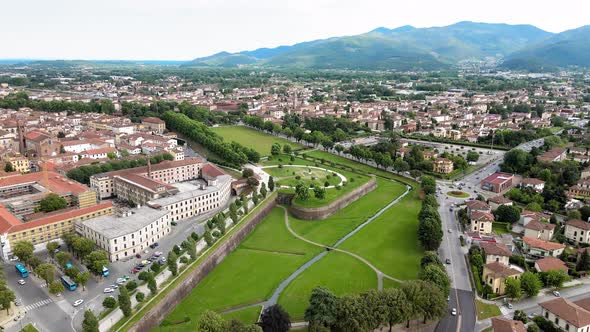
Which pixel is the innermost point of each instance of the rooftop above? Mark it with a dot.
(189, 190)
(540, 244)
(581, 224)
(569, 311)
(550, 263)
(494, 248)
(500, 324)
(498, 178)
(115, 226)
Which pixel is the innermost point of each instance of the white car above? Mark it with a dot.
(556, 293)
(21, 282)
(78, 302)
(14, 259)
(454, 312)
(121, 280)
(108, 290)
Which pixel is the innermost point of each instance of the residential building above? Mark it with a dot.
(497, 182)
(442, 165)
(481, 222)
(154, 124)
(539, 230)
(128, 234)
(532, 183)
(555, 154)
(497, 201)
(19, 163)
(567, 315)
(538, 248)
(501, 324)
(495, 275)
(550, 264)
(496, 252)
(477, 205)
(577, 231)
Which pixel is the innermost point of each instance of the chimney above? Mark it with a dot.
(149, 174)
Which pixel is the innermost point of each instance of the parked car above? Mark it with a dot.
(17, 302)
(14, 259)
(108, 290)
(78, 302)
(163, 260)
(158, 253)
(509, 305)
(21, 282)
(454, 312)
(556, 293)
(448, 261)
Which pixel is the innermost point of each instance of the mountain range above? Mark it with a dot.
(523, 47)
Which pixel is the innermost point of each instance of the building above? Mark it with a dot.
(577, 231)
(497, 182)
(481, 222)
(550, 264)
(555, 154)
(532, 183)
(528, 216)
(501, 324)
(154, 124)
(495, 275)
(567, 315)
(127, 234)
(49, 228)
(497, 201)
(19, 163)
(496, 252)
(539, 248)
(477, 205)
(539, 230)
(442, 165)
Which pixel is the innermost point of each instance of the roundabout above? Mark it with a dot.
(457, 194)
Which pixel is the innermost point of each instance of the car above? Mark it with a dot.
(509, 305)
(449, 230)
(448, 261)
(163, 260)
(531, 315)
(114, 286)
(454, 311)
(126, 277)
(156, 244)
(556, 293)
(17, 302)
(21, 282)
(14, 259)
(137, 256)
(448, 299)
(158, 253)
(78, 302)
(121, 281)
(108, 290)
(134, 270)
(145, 262)
(152, 246)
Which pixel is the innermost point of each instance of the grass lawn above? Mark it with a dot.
(458, 194)
(388, 283)
(331, 229)
(291, 176)
(29, 328)
(485, 310)
(339, 272)
(390, 242)
(500, 227)
(252, 138)
(249, 274)
(246, 316)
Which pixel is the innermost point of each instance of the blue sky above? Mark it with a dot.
(185, 29)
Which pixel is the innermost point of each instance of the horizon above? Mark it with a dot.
(179, 30)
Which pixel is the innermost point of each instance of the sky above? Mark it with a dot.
(187, 29)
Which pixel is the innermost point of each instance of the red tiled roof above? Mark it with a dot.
(152, 119)
(581, 224)
(212, 170)
(532, 181)
(497, 249)
(55, 182)
(539, 225)
(550, 263)
(477, 205)
(500, 200)
(540, 244)
(500, 270)
(500, 324)
(569, 311)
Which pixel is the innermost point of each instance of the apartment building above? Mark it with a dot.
(127, 234)
(443, 166)
(577, 231)
(496, 252)
(539, 230)
(567, 315)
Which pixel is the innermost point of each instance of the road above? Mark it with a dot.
(462, 296)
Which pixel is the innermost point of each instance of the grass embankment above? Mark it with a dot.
(259, 141)
(486, 310)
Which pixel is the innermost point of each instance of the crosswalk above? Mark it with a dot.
(38, 304)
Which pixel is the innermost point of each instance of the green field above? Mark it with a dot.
(252, 138)
(290, 176)
(500, 228)
(485, 310)
(247, 316)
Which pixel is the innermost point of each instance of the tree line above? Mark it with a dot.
(430, 231)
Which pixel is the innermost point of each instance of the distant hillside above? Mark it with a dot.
(569, 48)
(403, 48)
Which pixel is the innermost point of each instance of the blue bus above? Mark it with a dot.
(105, 271)
(68, 283)
(22, 270)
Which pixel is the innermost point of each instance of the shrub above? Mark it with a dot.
(352, 179)
(109, 303)
(326, 184)
(140, 296)
(280, 165)
(131, 285)
(195, 236)
(338, 187)
(216, 233)
(297, 177)
(183, 259)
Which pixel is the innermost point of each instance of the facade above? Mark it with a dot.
(481, 222)
(128, 234)
(567, 315)
(154, 124)
(577, 231)
(539, 230)
(555, 154)
(495, 274)
(538, 248)
(497, 182)
(496, 252)
(19, 163)
(442, 165)
(532, 183)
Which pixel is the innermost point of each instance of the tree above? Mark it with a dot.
(436, 275)
(271, 183)
(96, 260)
(374, 302)
(428, 184)
(584, 261)
(507, 213)
(530, 283)
(56, 287)
(534, 207)
(208, 238)
(513, 289)
(521, 316)
(351, 314)
(152, 285)
(90, 323)
(8, 167)
(83, 246)
(396, 306)
(52, 247)
(472, 156)
(46, 272)
(111, 155)
(263, 190)
(82, 278)
(321, 312)
(275, 149)
(172, 261)
(430, 257)
(302, 191)
(433, 303)
(6, 298)
(574, 215)
(275, 319)
(319, 192)
(139, 296)
(23, 250)
(52, 202)
(63, 257)
(124, 301)
(210, 321)
(554, 278)
(252, 182)
(287, 149)
(109, 303)
(430, 233)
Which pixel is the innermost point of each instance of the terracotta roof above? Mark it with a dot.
(539, 225)
(581, 224)
(494, 248)
(152, 119)
(482, 216)
(144, 181)
(498, 178)
(212, 170)
(500, 324)
(550, 263)
(532, 181)
(540, 244)
(500, 270)
(500, 200)
(7, 220)
(477, 205)
(55, 182)
(568, 311)
(99, 151)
